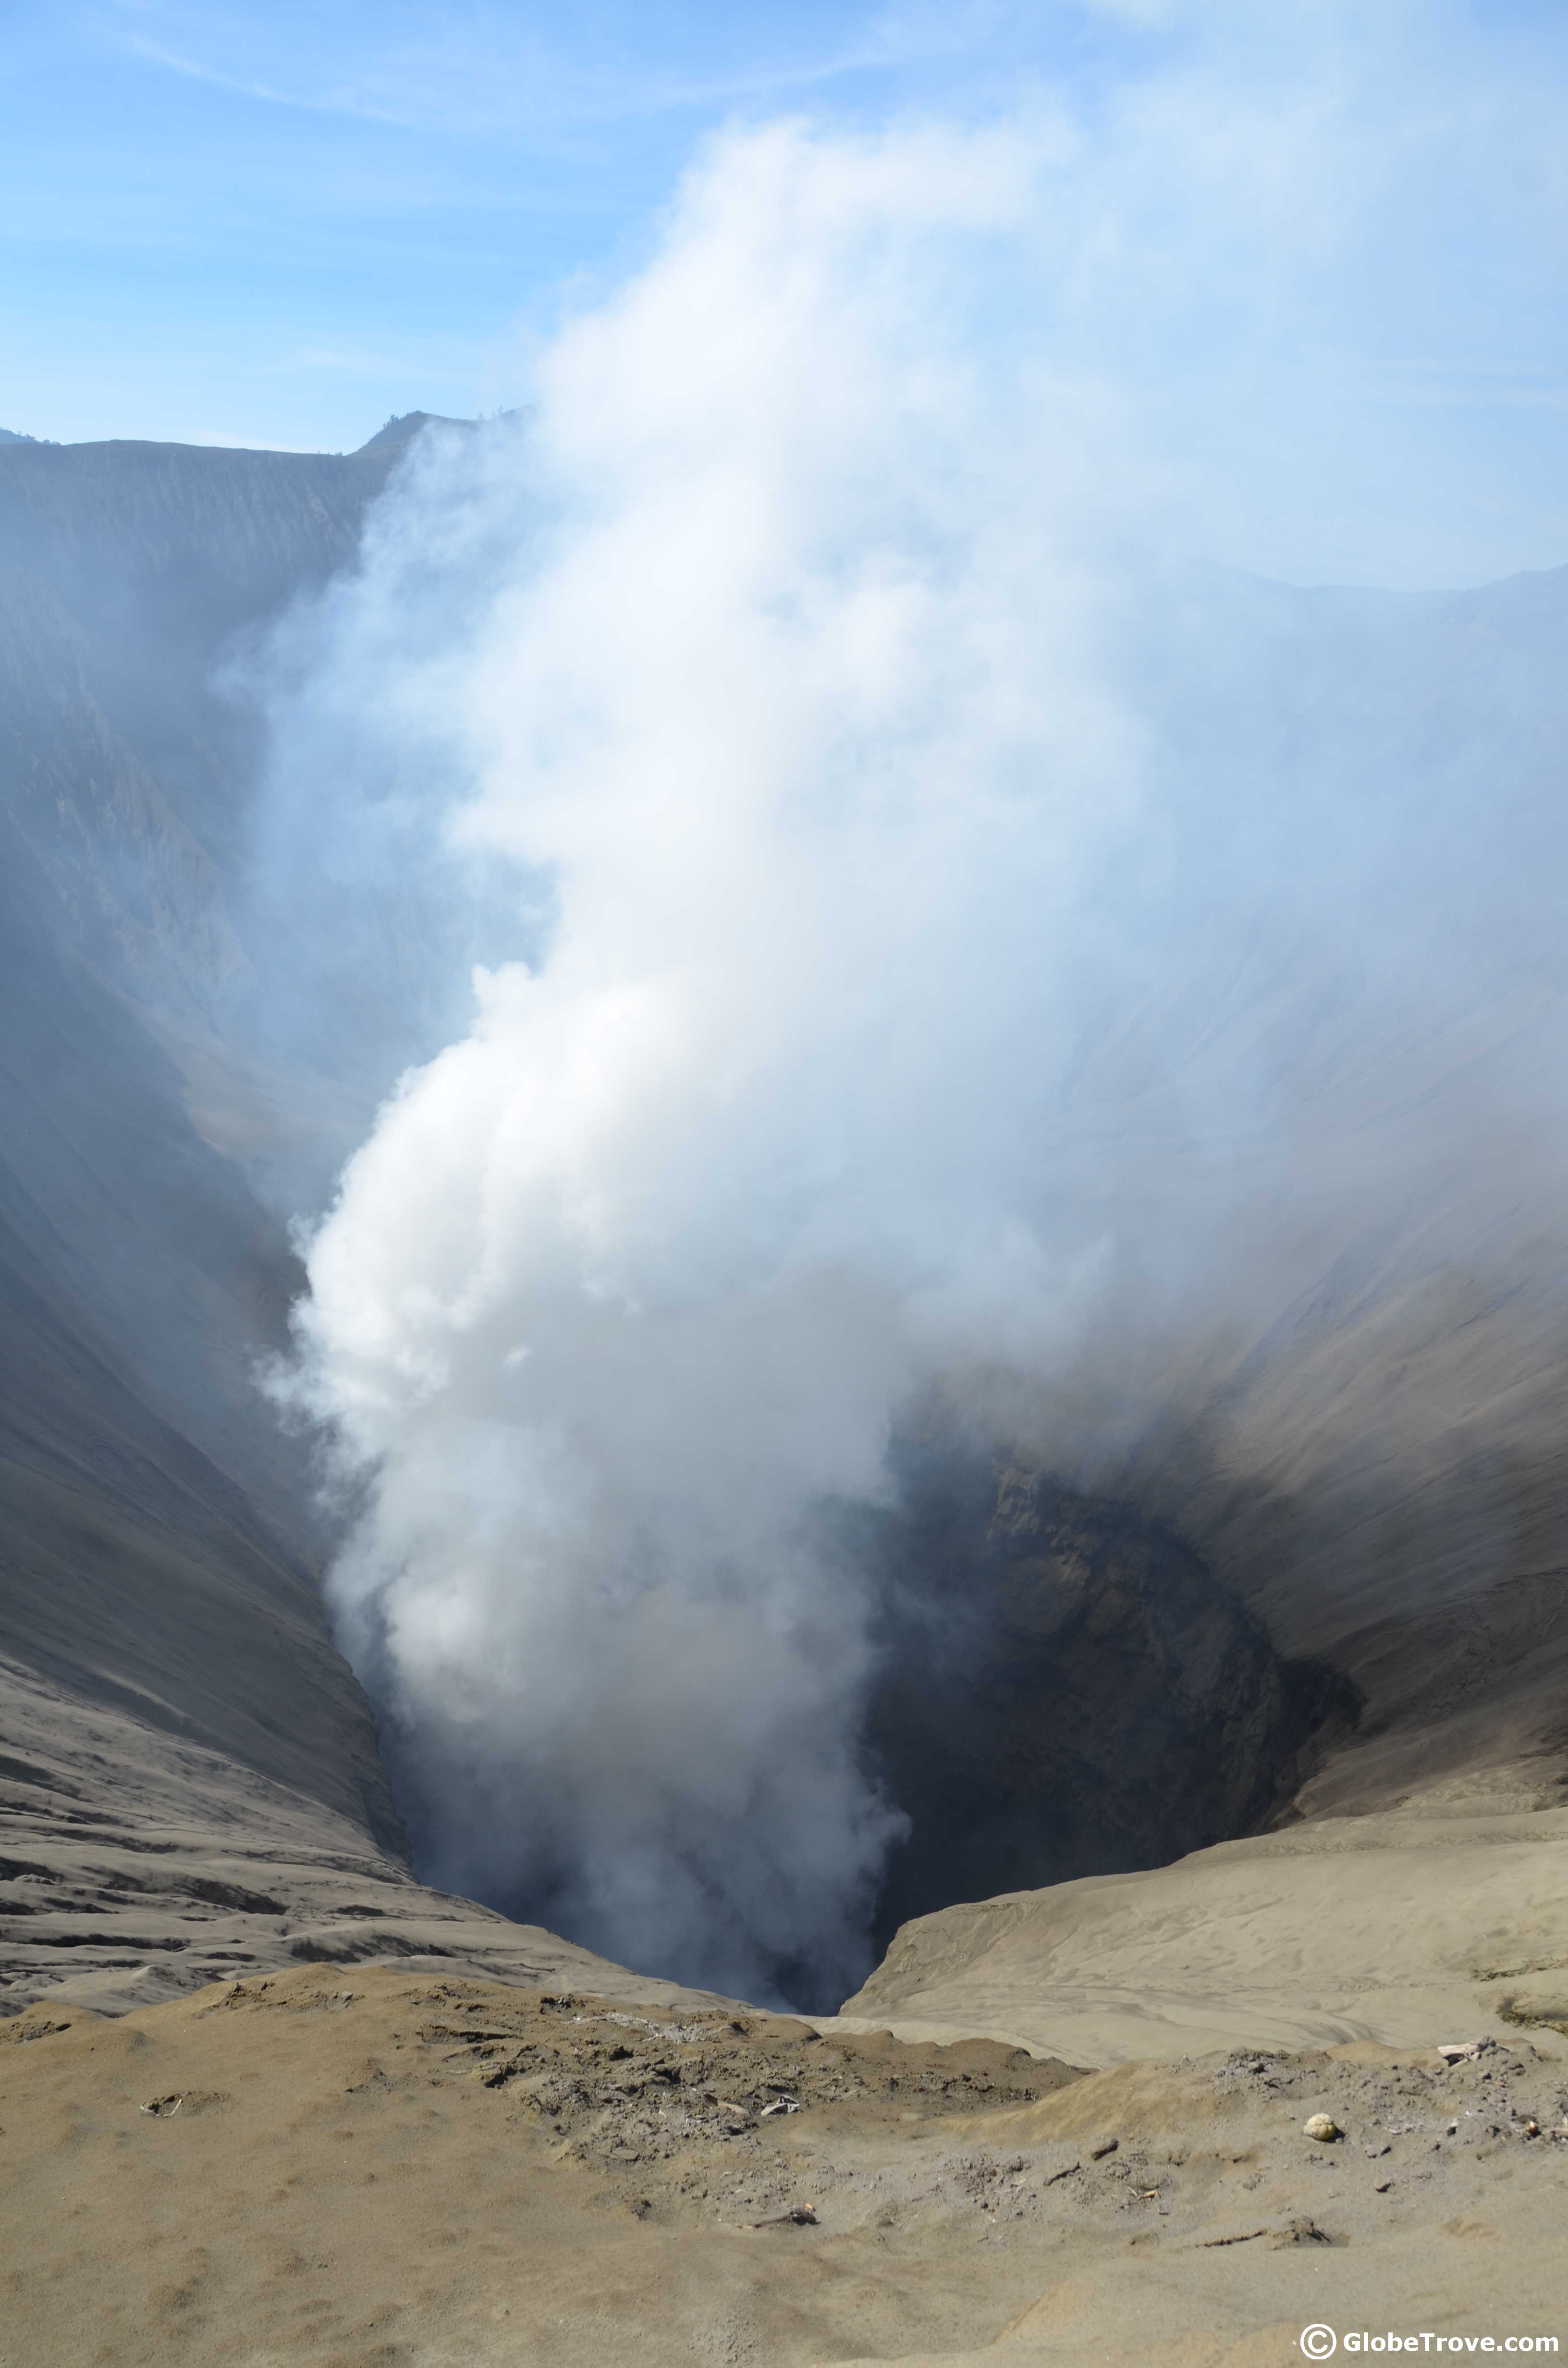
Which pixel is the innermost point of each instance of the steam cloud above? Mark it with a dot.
(948, 933)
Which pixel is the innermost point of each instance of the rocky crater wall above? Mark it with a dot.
(1068, 1690)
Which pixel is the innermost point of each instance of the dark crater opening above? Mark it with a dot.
(1062, 1687)
(1066, 1688)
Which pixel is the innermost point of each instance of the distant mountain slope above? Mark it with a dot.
(124, 569)
(403, 428)
(157, 1541)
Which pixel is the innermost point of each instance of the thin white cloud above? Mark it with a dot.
(494, 81)
(266, 93)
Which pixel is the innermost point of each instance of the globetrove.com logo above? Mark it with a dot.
(1320, 2342)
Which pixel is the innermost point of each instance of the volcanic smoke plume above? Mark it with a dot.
(960, 951)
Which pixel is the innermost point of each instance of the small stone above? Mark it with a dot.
(1383, 2185)
(1300, 2232)
(1322, 2128)
(1106, 2146)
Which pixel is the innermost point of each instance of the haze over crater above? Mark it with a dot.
(962, 970)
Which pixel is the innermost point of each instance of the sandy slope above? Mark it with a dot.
(135, 1867)
(379, 2167)
(1403, 1928)
(356, 2161)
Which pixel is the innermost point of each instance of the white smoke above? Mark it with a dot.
(787, 693)
(798, 654)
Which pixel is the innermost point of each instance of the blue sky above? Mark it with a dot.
(281, 224)
(1323, 243)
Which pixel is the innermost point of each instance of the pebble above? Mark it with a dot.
(1322, 2128)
